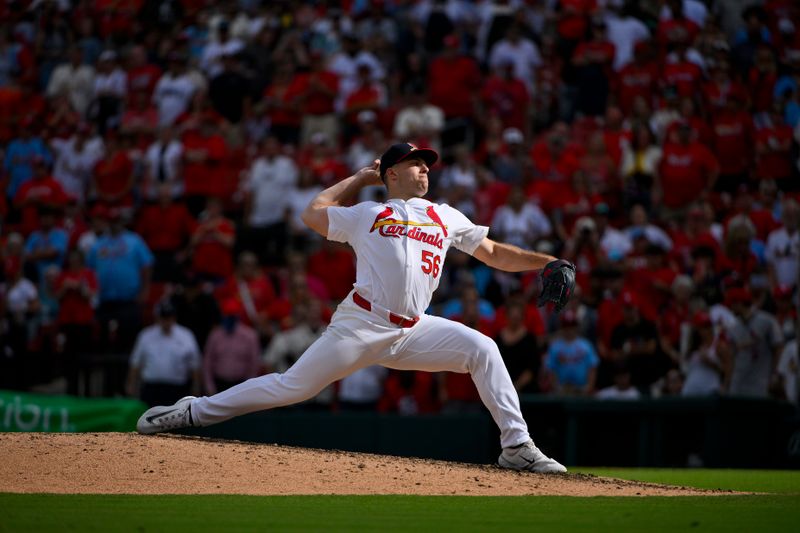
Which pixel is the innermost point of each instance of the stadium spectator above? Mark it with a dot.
(212, 244)
(205, 157)
(232, 352)
(75, 158)
(622, 387)
(173, 91)
(250, 286)
(419, 121)
(634, 342)
(571, 360)
(783, 247)
(109, 92)
(75, 79)
(113, 176)
(315, 93)
(707, 364)
(21, 154)
(165, 362)
(195, 307)
(230, 90)
(520, 349)
(41, 192)
(519, 222)
(362, 390)
(409, 393)
(789, 371)
(163, 163)
(46, 246)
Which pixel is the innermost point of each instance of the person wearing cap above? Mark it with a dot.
(707, 364)
(165, 362)
(571, 360)
(400, 247)
(232, 353)
(756, 340)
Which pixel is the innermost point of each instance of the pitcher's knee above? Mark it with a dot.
(486, 353)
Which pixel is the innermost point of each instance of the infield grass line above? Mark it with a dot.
(174, 514)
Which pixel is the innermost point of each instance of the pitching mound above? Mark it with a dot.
(127, 463)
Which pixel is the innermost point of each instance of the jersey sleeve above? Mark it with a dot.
(343, 223)
(466, 235)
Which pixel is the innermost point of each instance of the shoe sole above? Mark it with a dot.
(504, 463)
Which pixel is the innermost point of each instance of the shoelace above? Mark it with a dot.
(175, 420)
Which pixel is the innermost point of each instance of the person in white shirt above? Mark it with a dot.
(624, 31)
(110, 89)
(400, 248)
(216, 49)
(694, 10)
(522, 52)
(519, 222)
(361, 390)
(641, 226)
(419, 121)
(75, 79)
(75, 159)
(267, 187)
(174, 91)
(789, 371)
(163, 163)
(622, 389)
(165, 363)
(345, 65)
(783, 247)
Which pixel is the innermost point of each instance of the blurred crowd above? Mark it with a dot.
(157, 154)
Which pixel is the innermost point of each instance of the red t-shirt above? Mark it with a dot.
(507, 100)
(573, 19)
(143, 79)
(452, 82)
(314, 101)
(336, 269)
(717, 96)
(74, 306)
(636, 80)
(488, 198)
(204, 177)
(685, 76)
(761, 88)
(36, 193)
(674, 30)
(112, 175)
(561, 168)
(211, 256)
(533, 320)
(774, 164)
(165, 229)
(684, 171)
(733, 141)
(259, 288)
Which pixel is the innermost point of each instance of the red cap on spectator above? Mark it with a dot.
(569, 318)
(701, 319)
(736, 295)
(782, 291)
(232, 306)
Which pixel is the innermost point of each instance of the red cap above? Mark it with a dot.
(701, 319)
(737, 295)
(232, 306)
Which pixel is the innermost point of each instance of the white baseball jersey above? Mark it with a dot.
(400, 246)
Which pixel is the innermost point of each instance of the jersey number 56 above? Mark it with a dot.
(430, 263)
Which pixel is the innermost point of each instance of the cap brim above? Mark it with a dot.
(426, 154)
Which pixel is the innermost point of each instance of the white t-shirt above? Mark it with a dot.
(615, 393)
(73, 168)
(364, 385)
(20, 295)
(521, 228)
(400, 248)
(162, 358)
(210, 60)
(789, 369)
(624, 33)
(298, 200)
(115, 83)
(346, 67)
(524, 54)
(172, 96)
(270, 182)
(783, 253)
(172, 156)
(411, 120)
(693, 10)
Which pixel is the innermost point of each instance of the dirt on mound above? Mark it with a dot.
(127, 463)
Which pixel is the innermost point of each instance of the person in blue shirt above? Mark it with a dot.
(47, 246)
(20, 155)
(123, 264)
(572, 360)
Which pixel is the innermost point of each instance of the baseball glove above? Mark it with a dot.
(558, 283)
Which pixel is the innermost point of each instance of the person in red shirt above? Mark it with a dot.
(572, 21)
(722, 87)
(75, 289)
(593, 61)
(688, 171)
(774, 149)
(652, 281)
(112, 177)
(253, 289)
(506, 97)
(314, 94)
(42, 190)
(369, 95)
(335, 265)
(554, 158)
(205, 155)
(454, 80)
(762, 78)
(212, 244)
(733, 145)
(681, 73)
(409, 393)
(639, 78)
(166, 226)
(280, 105)
(676, 29)
(142, 75)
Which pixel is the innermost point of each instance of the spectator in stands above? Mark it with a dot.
(163, 163)
(593, 60)
(142, 75)
(123, 265)
(334, 265)
(75, 159)
(270, 179)
(368, 95)
(174, 90)
(205, 156)
(520, 349)
(571, 360)
(20, 303)
(315, 93)
(232, 352)
(419, 121)
(625, 31)
(634, 342)
(20, 155)
(789, 372)
(166, 227)
(75, 79)
(756, 341)
(230, 90)
(46, 246)
(165, 362)
(76, 289)
(253, 289)
(212, 244)
(773, 147)
(409, 393)
(98, 216)
(362, 390)
(519, 222)
(641, 226)
(301, 237)
(785, 311)
(195, 307)
(707, 364)
(783, 247)
(518, 51)
(622, 387)
(113, 175)
(220, 44)
(733, 140)
(109, 92)
(38, 193)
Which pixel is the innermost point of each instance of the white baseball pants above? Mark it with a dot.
(357, 338)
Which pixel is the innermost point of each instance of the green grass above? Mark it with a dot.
(37, 512)
(394, 513)
(773, 481)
